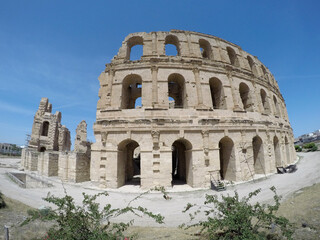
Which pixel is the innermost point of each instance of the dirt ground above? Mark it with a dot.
(300, 191)
(302, 208)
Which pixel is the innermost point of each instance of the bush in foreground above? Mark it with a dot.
(235, 218)
(88, 221)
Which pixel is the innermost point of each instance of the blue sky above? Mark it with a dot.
(57, 49)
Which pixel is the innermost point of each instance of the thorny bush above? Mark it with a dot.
(88, 221)
(235, 218)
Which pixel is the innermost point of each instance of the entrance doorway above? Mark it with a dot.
(181, 160)
(129, 166)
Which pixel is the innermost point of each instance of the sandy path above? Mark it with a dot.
(308, 174)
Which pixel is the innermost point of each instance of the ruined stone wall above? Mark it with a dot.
(218, 102)
(47, 131)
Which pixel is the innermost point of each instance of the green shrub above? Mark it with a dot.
(234, 218)
(2, 202)
(298, 148)
(88, 221)
(310, 147)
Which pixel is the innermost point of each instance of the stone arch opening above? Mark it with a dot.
(252, 65)
(131, 91)
(264, 101)
(128, 163)
(245, 97)
(205, 49)
(233, 57)
(217, 93)
(138, 52)
(276, 149)
(42, 149)
(176, 91)
(172, 46)
(227, 159)
(276, 106)
(264, 71)
(287, 149)
(258, 155)
(181, 162)
(45, 128)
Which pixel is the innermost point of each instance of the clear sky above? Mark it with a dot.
(57, 49)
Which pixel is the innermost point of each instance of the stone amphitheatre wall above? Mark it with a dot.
(211, 111)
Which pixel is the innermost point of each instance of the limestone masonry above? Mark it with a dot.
(210, 112)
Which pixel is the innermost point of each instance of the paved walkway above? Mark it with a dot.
(308, 174)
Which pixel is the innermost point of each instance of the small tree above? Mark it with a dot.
(298, 148)
(234, 218)
(88, 221)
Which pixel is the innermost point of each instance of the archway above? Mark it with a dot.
(258, 155)
(45, 128)
(181, 162)
(131, 91)
(176, 91)
(227, 159)
(43, 149)
(128, 165)
(277, 155)
(172, 46)
(245, 96)
(217, 94)
(264, 101)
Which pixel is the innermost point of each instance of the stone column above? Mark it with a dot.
(109, 88)
(190, 44)
(198, 86)
(234, 96)
(154, 44)
(154, 72)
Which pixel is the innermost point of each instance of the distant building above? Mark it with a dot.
(308, 137)
(10, 149)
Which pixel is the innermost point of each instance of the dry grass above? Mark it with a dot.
(302, 208)
(13, 215)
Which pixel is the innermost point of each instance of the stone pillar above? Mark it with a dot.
(109, 87)
(198, 86)
(154, 72)
(234, 96)
(154, 44)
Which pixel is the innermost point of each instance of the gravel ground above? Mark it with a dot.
(308, 174)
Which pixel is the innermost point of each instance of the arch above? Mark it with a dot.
(264, 101)
(227, 159)
(205, 48)
(233, 57)
(45, 128)
(42, 149)
(172, 40)
(134, 41)
(131, 90)
(245, 97)
(181, 162)
(128, 163)
(217, 93)
(276, 106)
(277, 154)
(258, 155)
(177, 90)
(287, 149)
(252, 65)
(264, 71)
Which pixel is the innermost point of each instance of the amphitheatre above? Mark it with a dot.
(211, 113)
